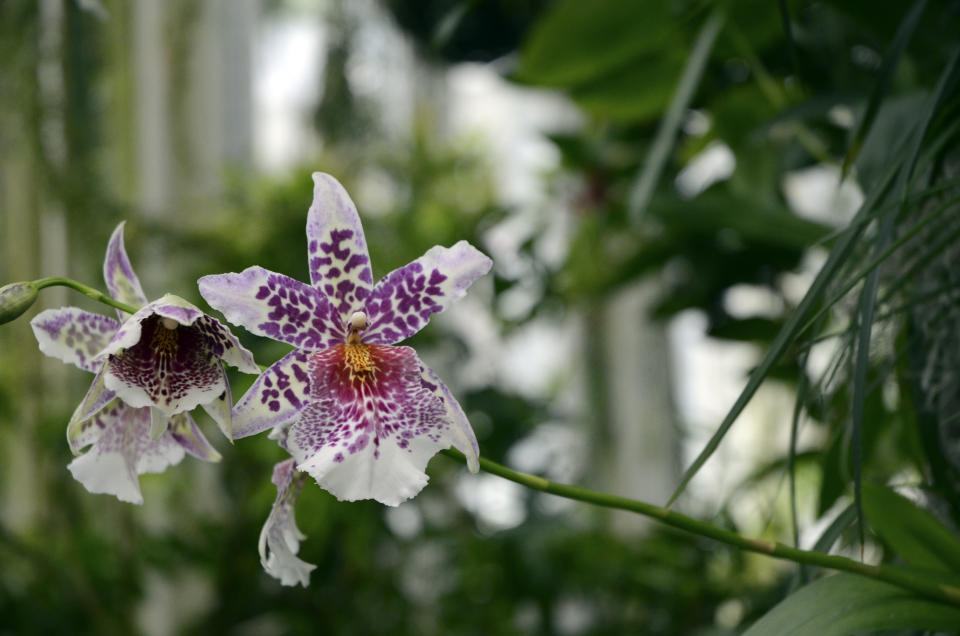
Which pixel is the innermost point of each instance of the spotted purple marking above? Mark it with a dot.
(342, 274)
(275, 398)
(402, 303)
(170, 364)
(74, 335)
(350, 413)
(298, 315)
(336, 248)
(89, 430)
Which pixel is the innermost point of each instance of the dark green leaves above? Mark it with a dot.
(618, 58)
(910, 531)
(847, 604)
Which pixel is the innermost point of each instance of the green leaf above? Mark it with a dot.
(848, 604)
(838, 256)
(890, 62)
(663, 143)
(577, 41)
(915, 534)
(752, 221)
(751, 329)
(638, 91)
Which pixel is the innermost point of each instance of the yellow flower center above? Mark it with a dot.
(358, 361)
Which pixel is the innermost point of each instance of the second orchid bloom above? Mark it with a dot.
(151, 370)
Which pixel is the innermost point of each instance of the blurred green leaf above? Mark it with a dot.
(837, 258)
(913, 533)
(750, 219)
(890, 63)
(845, 604)
(576, 41)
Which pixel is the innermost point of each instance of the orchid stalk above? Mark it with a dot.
(927, 588)
(359, 414)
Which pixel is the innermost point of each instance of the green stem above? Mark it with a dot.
(86, 290)
(925, 587)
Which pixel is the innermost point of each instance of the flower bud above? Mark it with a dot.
(15, 299)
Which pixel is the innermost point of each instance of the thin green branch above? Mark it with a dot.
(925, 587)
(86, 290)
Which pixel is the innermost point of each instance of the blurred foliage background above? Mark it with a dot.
(679, 134)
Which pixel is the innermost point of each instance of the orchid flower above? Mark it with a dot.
(162, 361)
(364, 416)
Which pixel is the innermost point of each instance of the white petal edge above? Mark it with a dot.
(464, 439)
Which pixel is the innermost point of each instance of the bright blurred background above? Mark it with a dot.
(656, 195)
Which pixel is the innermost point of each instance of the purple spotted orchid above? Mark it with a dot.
(363, 417)
(151, 369)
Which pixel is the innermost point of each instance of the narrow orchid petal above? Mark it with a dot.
(280, 538)
(73, 335)
(402, 302)
(173, 369)
(275, 398)
(186, 433)
(83, 433)
(224, 345)
(122, 451)
(464, 439)
(219, 409)
(370, 426)
(118, 274)
(159, 421)
(275, 306)
(336, 247)
(80, 430)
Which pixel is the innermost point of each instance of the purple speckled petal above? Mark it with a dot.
(220, 408)
(172, 369)
(464, 439)
(280, 538)
(226, 346)
(184, 430)
(74, 335)
(403, 301)
(336, 247)
(275, 398)
(122, 451)
(118, 274)
(368, 434)
(81, 431)
(275, 306)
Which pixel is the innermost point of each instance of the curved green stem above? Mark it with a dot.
(924, 586)
(86, 290)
